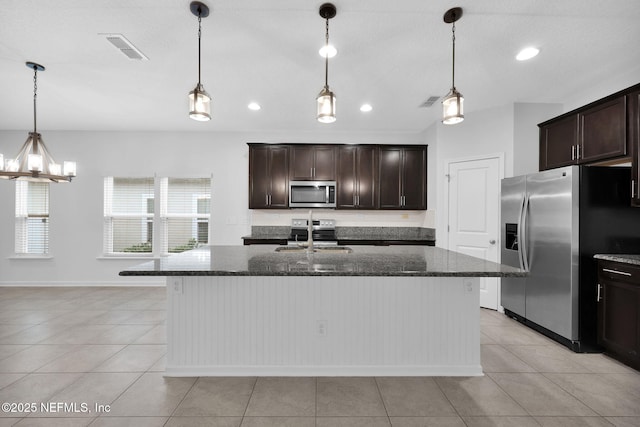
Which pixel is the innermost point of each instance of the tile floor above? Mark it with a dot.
(106, 346)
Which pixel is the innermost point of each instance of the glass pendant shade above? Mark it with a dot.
(199, 104)
(326, 102)
(453, 108)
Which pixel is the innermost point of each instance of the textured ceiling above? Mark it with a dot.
(393, 55)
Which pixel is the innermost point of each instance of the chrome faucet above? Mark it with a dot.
(310, 232)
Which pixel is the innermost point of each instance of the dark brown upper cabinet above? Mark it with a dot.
(312, 163)
(603, 131)
(268, 176)
(633, 120)
(356, 182)
(558, 141)
(403, 177)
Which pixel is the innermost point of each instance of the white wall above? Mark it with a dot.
(526, 134)
(76, 209)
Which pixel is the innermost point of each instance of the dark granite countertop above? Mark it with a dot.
(623, 258)
(415, 234)
(263, 260)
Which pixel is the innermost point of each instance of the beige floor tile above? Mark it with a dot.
(602, 364)
(630, 381)
(82, 358)
(217, 397)
(6, 379)
(624, 421)
(159, 366)
(78, 334)
(539, 396)
(121, 334)
(348, 396)
(34, 334)
(129, 422)
(478, 396)
(7, 350)
(278, 422)
(599, 393)
(500, 422)
(413, 396)
(29, 317)
(496, 358)
(133, 358)
(157, 335)
(283, 396)
(573, 422)
(514, 335)
(35, 388)
(352, 422)
(485, 339)
(54, 422)
(548, 358)
(33, 358)
(8, 330)
(152, 395)
(427, 422)
(113, 317)
(77, 317)
(8, 422)
(144, 317)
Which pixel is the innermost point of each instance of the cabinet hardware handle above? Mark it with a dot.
(573, 152)
(598, 297)
(577, 152)
(624, 273)
(266, 199)
(633, 188)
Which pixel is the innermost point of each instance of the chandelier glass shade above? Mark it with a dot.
(453, 102)
(34, 162)
(199, 99)
(326, 99)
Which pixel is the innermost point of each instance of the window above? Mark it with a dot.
(131, 220)
(185, 205)
(32, 218)
(128, 215)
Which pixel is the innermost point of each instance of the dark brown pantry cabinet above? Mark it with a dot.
(618, 296)
(403, 177)
(268, 176)
(356, 181)
(312, 163)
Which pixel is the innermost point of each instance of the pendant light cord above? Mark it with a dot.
(453, 38)
(199, 37)
(326, 57)
(35, 95)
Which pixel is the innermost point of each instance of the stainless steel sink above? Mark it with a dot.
(317, 249)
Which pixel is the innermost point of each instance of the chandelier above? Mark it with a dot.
(34, 162)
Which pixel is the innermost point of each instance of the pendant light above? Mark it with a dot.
(453, 103)
(326, 100)
(34, 162)
(199, 99)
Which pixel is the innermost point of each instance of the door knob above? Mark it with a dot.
(492, 241)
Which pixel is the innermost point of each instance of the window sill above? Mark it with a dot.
(134, 257)
(30, 257)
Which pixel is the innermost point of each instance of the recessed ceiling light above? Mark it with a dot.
(527, 53)
(365, 108)
(254, 106)
(329, 50)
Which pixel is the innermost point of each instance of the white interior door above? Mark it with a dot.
(474, 207)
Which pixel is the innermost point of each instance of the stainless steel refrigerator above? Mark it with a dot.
(553, 222)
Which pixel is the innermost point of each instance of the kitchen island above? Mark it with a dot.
(250, 310)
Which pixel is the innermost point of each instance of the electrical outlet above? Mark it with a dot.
(321, 328)
(176, 284)
(467, 285)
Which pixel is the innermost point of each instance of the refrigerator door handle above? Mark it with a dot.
(519, 233)
(522, 234)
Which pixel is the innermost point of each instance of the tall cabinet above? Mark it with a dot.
(633, 119)
(403, 177)
(268, 176)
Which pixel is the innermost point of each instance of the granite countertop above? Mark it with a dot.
(263, 260)
(623, 258)
(351, 233)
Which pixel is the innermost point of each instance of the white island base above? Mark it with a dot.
(323, 326)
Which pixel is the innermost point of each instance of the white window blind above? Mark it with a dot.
(185, 210)
(128, 215)
(32, 218)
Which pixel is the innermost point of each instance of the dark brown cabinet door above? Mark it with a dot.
(414, 185)
(403, 177)
(619, 311)
(558, 141)
(633, 123)
(603, 131)
(313, 162)
(356, 177)
(390, 177)
(268, 177)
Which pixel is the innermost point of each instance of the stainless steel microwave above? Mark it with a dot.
(312, 194)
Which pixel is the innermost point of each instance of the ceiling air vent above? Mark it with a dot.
(125, 46)
(429, 102)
